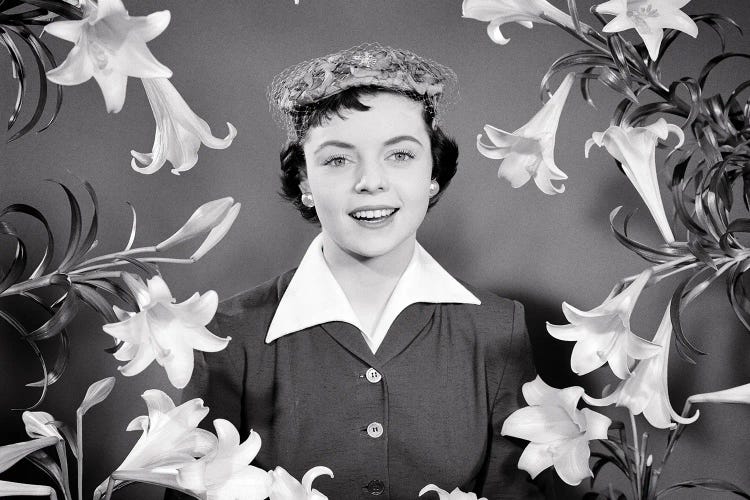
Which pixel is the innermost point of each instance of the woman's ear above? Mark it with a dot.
(304, 185)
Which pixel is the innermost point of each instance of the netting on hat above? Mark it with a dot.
(294, 92)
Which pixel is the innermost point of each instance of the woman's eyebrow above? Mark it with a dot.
(400, 138)
(339, 144)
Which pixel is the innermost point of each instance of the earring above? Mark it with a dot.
(307, 200)
(434, 188)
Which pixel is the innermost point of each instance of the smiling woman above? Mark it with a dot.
(370, 359)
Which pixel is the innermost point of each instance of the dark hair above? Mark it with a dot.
(444, 149)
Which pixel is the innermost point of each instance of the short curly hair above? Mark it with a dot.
(444, 149)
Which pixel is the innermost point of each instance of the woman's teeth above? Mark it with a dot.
(373, 214)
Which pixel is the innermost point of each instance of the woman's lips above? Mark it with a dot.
(373, 217)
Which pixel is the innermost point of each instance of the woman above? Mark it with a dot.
(370, 358)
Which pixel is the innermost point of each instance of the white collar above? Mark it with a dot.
(314, 297)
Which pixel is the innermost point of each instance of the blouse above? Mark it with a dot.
(422, 403)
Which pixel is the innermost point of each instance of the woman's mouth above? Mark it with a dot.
(373, 217)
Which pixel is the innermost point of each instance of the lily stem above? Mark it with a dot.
(117, 254)
(79, 443)
(636, 454)
(61, 454)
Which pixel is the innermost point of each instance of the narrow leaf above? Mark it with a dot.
(706, 484)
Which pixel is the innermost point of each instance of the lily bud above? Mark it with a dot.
(206, 218)
(218, 232)
(739, 394)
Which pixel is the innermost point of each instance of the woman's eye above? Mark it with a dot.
(402, 156)
(335, 161)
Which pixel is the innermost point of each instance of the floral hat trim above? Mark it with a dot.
(363, 65)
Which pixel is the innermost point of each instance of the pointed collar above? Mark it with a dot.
(314, 297)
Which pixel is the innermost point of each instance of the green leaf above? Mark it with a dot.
(95, 301)
(651, 254)
(32, 41)
(19, 73)
(615, 82)
(63, 353)
(46, 464)
(18, 264)
(706, 484)
(63, 315)
(675, 309)
(737, 295)
(90, 240)
(49, 247)
(586, 76)
(75, 227)
(97, 392)
(64, 9)
(23, 333)
(713, 62)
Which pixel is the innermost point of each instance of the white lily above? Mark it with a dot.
(603, 335)
(164, 331)
(456, 494)
(738, 395)
(212, 217)
(635, 149)
(225, 474)
(11, 489)
(171, 438)
(648, 18)
(286, 487)
(179, 131)
(646, 390)
(110, 46)
(558, 432)
(523, 12)
(40, 424)
(12, 453)
(529, 151)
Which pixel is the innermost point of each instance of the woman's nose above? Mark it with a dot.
(372, 178)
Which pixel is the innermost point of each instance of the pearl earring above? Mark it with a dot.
(307, 200)
(434, 188)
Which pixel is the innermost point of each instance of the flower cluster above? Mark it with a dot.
(110, 46)
(710, 155)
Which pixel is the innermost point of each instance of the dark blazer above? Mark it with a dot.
(426, 408)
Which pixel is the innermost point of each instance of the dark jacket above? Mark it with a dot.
(447, 377)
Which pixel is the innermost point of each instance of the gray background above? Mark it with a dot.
(520, 243)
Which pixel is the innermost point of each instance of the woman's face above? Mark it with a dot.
(369, 173)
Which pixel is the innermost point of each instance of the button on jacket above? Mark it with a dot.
(425, 407)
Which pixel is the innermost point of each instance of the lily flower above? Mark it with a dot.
(40, 424)
(11, 489)
(225, 474)
(179, 131)
(739, 395)
(635, 149)
(285, 487)
(206, 218)
(12, 453)
(558, 431)
(646, 390)
(529, 151)
(456, 494)
(164, 331)
(648, 18)
(523, 12)
(171, 438)
(110, 46)
(603, 335)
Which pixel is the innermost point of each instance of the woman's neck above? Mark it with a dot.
(367, 281)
